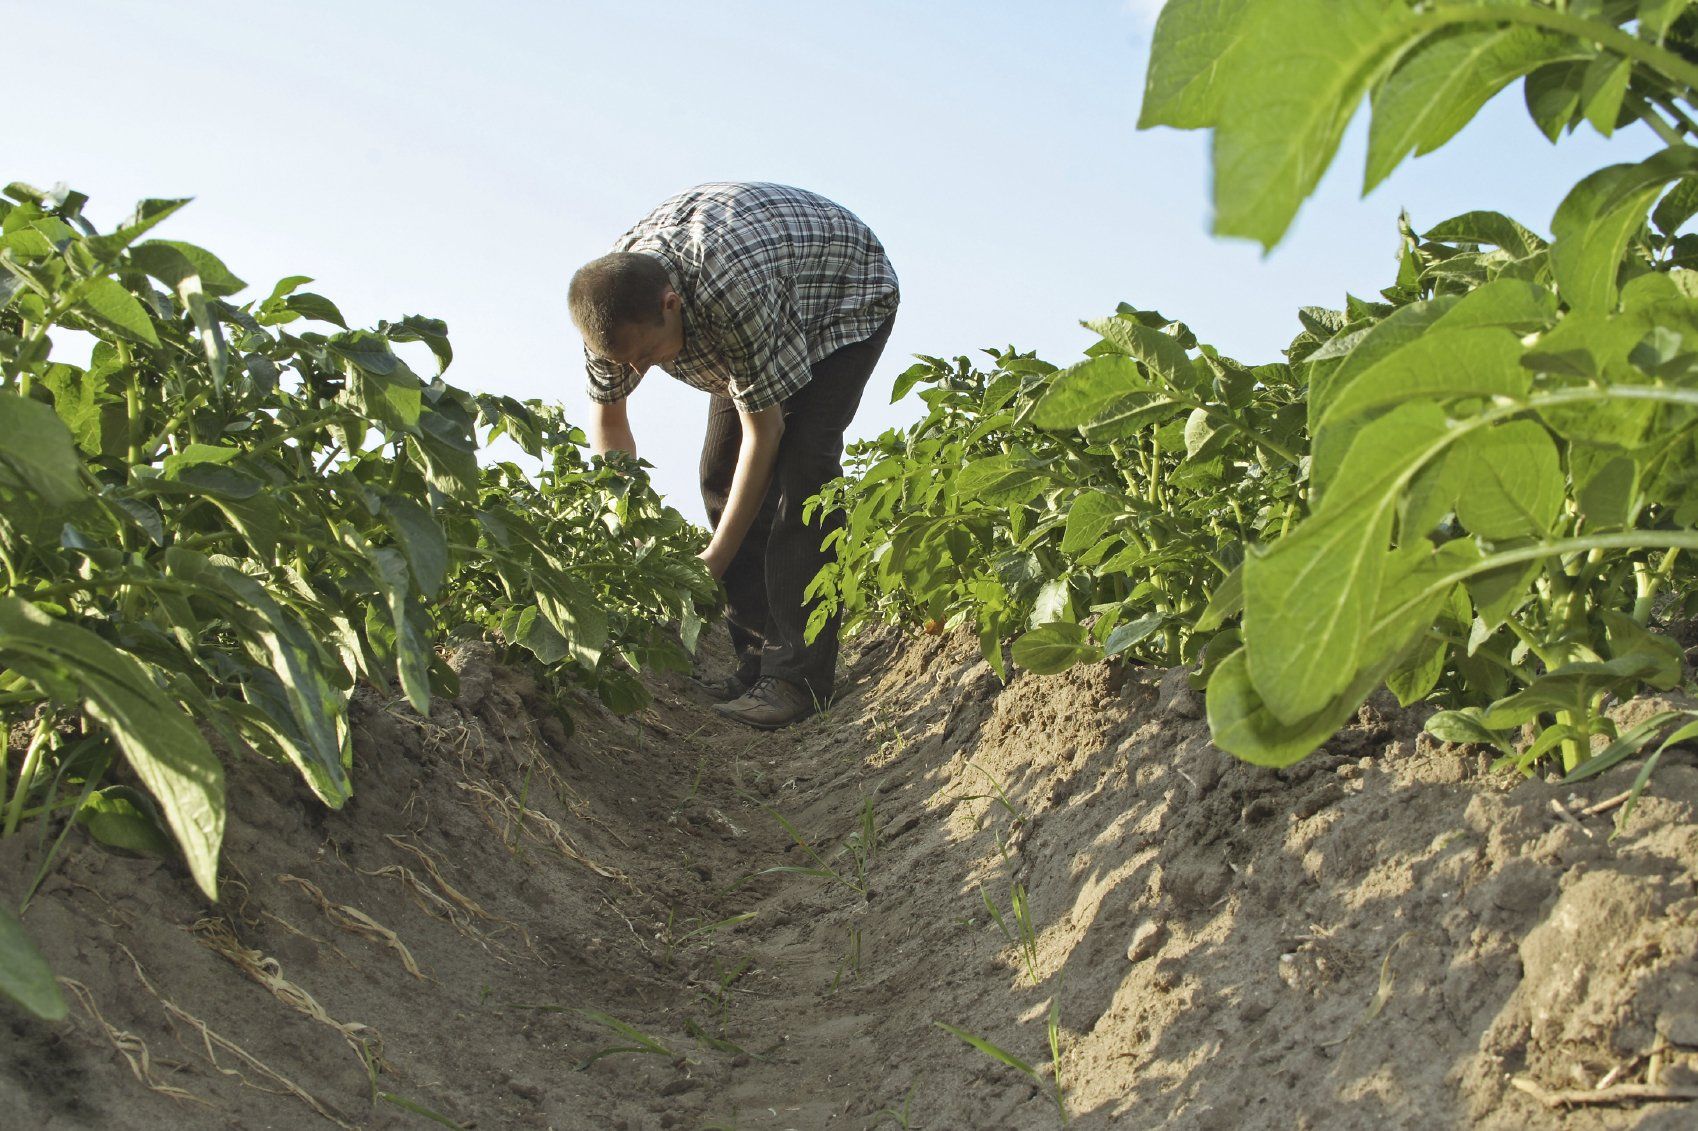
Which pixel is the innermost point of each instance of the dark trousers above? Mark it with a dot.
(781, 554)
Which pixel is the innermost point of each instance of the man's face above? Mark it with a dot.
(643, 346)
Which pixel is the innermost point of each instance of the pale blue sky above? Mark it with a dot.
(461, 160)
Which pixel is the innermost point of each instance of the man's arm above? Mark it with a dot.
(610, 428)
(756, 456)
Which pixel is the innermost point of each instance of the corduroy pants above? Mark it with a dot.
(765, 581)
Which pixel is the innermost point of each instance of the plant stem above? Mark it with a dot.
(32, 760)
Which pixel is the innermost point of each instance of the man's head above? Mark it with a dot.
(626, 310)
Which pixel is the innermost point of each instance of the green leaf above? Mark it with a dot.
(148, 214)
(194, 454)
(1602, 88)
(1055, 647)
(1090, 516)
(422, 540)
(1293, 81)
(574, 611)
(1572, 687)
(159, 740)
(366, 350)
(1242, 725)
(1000, 480)
(1474, 362)
(1488, 229)
(317, 307)
(24, 975)
(108, 303)
(1309, 599)
(1162, 354)
(1080, 393)
(1226, 601)
(433, 332)
(1132, 633)
(1441, 84)
(38, 450)
(119, 817)
(1463, 726)
(175, 264)
(990, 1050)
(1553, 97)
(1507, 479)
(315, 710)
(412, 654)
(1599, 216)
(1192, 39)
(1675, 209)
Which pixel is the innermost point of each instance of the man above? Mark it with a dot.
(778, 302)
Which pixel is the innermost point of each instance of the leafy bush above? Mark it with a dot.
(223, 522)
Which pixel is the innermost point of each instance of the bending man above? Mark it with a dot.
(777, 302)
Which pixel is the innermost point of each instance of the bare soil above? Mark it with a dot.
(1385, 935)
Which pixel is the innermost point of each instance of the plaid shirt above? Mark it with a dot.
(773, 280)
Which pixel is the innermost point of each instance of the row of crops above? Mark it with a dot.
(233, 515)
(1479, 486)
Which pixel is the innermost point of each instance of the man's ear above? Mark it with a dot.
(671, 300)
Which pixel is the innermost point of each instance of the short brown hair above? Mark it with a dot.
(623, 288)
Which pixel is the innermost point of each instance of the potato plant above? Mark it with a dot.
(1476, 486)
(1100, 542)
(234, 514)
(1499, 472)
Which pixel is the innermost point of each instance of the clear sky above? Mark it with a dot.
(460, 160)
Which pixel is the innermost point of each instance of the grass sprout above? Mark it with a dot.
(1003, 1056)
(640, 1042)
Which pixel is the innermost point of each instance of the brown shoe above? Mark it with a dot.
(770, 704)
(724, 689)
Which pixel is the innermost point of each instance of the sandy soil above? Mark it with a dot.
(1383, 936)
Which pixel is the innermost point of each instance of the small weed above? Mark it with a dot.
(997, 1053)
(901, 1116)
(1028, 936)
(861, 845)
(672, 942)
(640, 1042)
(850, 963)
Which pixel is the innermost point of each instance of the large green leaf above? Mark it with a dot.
(421, 539)
(315, 707)
(1088, 518)
(1600, 215)
(1192, 39)
(1080, 393)
(37, 448)
(160, 741)
(1476, 362)
(573, 610)
(1295, 77)
(108, 303)
(1160, 352)
(1055, 647)
(1310, 597)
(412, 654)
(1507, 480)
(24, 974)
(1241, 723)
(1440, 85)
(175, 264)
(1001, 480)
